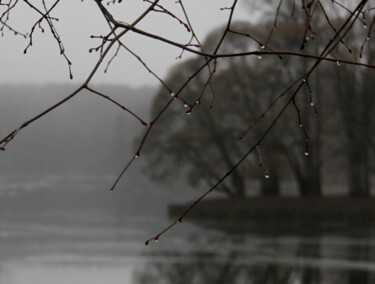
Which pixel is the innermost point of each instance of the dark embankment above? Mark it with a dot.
(282, 215)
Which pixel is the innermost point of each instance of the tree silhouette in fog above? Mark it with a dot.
(348, 26)
(206, 143)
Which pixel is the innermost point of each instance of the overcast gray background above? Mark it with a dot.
(78, 20)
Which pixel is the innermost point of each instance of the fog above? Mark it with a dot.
(59, 222)
(86, 135)
(78, 21)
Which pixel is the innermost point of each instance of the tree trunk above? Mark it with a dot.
(271, 186)
(309, 186)
(358, 172)
(238, 184)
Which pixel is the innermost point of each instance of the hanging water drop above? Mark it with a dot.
(156, 239)
(266, 175)
(259, 57)
(136, 156)
(186, 105)
(311, 103)
(338, 63)
(365, 26)
(173, 94)
(368, 38)
(263, 47)
(188, 112)
(307, 148)
(304, 80)
(300, 125)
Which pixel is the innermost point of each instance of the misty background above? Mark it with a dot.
(87, 135)
(59, 222)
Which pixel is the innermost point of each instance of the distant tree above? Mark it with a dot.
(209, 139)
(354, 14)
(354, 93)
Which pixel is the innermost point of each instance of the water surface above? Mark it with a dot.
(72, 230)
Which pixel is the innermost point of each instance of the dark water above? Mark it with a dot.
(58, 230)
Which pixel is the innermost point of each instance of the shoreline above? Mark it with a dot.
(282, 215)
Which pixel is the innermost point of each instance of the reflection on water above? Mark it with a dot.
(271, 260)
(75, 232)
(63, 273)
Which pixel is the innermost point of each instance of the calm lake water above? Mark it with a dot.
(59, 230)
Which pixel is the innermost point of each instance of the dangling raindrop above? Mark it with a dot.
(338, 63)
(365, 26)
(368, 38)
(173, 95)
(136, 156)
(311, 103)
(266, 175)
(186, 105)
(300, 125)
(188, 112)
(259, 57)
(263, 47)
(307, 148)
(304, 80)
(156, 239)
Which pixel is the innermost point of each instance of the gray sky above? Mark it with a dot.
(78, 20)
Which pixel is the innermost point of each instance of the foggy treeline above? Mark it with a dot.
(88, 135)
(322, 144)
